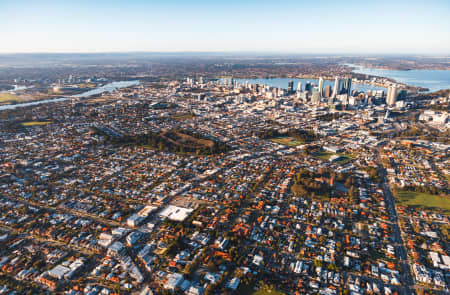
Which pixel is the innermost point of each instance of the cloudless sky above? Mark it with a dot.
(315, 26)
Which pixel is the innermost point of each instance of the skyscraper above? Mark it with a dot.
(290, 87)
(299, 86)
(391, 95)
(304, 96)
(321, 86)
(255, 87)
(336, 88)
(327, 92)
(347, 87)
(308, 86)
(330, 101)
(315, 99)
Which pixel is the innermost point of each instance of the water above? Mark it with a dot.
(283, 83)
(434, 80)
(106, 88)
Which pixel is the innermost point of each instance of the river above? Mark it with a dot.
(106, 88)
(434, 80)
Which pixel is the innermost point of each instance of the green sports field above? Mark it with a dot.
(423, 200)
(35, 123)
(287, 140)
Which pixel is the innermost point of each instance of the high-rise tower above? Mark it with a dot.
(315, 99)
(321, 86)
(347, 87)
(391, 95)
(327, 92)
(336, 88)
(290, 87)
(308, 86)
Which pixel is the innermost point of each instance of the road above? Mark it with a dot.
(407, 279)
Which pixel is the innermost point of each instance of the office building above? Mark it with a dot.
(336, 89)
(304, 95)
(327, 92)
(391, 96)
(321, 86)
(255, 87)
(308, 86)
(290, 87)
(346, 87)
(331, 101)
(315, 99)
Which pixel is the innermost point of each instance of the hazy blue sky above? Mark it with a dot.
(316, 26)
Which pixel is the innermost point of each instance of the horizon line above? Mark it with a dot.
(444, 55)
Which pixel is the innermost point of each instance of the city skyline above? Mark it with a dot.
(322, 27)
(234, 147)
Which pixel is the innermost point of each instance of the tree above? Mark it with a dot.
(332, 267)
(317, 263)
(212, 266)
(351, 194)
(209, 290)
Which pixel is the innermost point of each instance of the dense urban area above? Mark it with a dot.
(188, 179)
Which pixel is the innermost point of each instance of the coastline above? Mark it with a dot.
(416, 80)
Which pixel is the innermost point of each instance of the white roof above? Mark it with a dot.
(147, 210)
(176, 213)
(58, 271)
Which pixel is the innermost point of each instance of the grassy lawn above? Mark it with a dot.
(287, 140)
(183, 117)
(250, 290)
(8, 97)
(423, 200)
(267, 291)
(35, 123)
(344, 159)
(325, 156)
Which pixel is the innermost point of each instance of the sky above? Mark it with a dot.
(285, 26)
